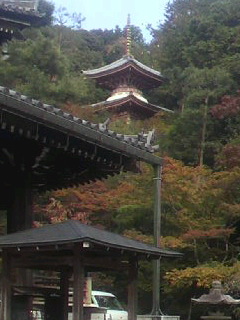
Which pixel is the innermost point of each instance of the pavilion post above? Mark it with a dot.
(156, 310)
(78, 283)
(64, 287)
(132, 289)
(6, 286)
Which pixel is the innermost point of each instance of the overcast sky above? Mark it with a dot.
(106, 14)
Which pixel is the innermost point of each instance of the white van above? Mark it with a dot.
(109, 301)
(105, 301)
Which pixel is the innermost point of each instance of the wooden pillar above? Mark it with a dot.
(64, 287)
(20, 214)
(6, 286)
(132, 289)
(78, 282)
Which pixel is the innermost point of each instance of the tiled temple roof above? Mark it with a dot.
(98, 133)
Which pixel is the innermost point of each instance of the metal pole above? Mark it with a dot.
(156, 310)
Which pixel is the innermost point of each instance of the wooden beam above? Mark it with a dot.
(42, 262)
(132, 289)
(57, 261)
(78, 283)
(64, 287)
(6, 287)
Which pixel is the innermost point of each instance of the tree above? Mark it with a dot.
(194, 36)
(46, 8)
(205, 86)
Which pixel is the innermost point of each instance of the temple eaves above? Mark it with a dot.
(97, 134)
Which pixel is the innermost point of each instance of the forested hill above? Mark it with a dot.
(197, 49)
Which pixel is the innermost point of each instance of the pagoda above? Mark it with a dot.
(16, 15)
(126, 78)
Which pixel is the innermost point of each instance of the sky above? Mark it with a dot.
(106, 14)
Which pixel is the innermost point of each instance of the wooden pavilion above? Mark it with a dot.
(72, 249)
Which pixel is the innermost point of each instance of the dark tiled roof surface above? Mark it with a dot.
(72, 231)
(93, 132)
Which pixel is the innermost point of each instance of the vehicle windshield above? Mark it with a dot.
(111, 303)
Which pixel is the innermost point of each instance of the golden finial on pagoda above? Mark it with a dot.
(129, 39)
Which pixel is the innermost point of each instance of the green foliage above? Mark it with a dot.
(202, 276)
(46, 9)
(197, 35)
(42, 54)
(139, 217)
(183, 139)
(205, 85)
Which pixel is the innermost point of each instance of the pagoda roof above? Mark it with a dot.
(150, 78)
(132, 104)
(72, 231)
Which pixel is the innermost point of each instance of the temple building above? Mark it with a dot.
(15, 16)
(43, 148)
(126, 78)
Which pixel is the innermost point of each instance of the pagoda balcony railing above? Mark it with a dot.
(127, 89)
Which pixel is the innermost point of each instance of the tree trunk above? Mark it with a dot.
(203, 135)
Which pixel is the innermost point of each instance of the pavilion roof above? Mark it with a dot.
(72, 231)
(150, 78)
